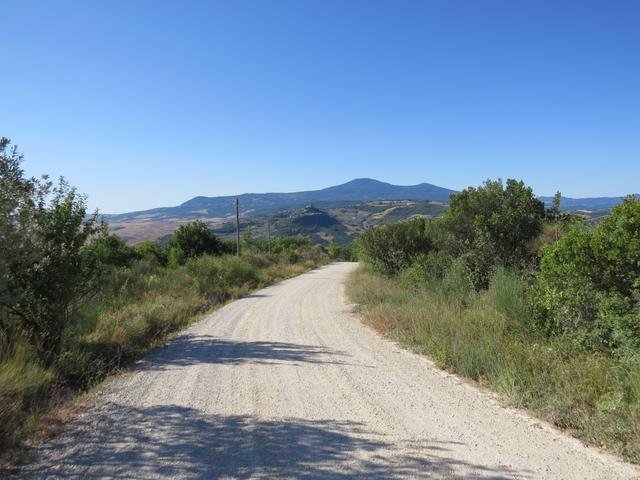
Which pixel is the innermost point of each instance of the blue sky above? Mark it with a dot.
(147, 104)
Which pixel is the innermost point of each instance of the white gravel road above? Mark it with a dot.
(287, 383)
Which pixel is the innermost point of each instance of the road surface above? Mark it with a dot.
(287, 383)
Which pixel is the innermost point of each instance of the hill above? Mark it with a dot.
(338, 224)
(217, 211)
(589, 204)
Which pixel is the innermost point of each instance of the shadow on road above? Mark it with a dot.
(194, 349)
(117, 441)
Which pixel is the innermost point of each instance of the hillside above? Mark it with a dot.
(338, 224)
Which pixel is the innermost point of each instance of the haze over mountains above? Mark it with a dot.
(361, 195)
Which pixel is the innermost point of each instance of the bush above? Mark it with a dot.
(492, 225)
(340, 252)
(45, 264)
(208, 274)
(237, 272)
(151, 251)
(616, 245)
(192, 240)
(23, 382)
(509, 295)
(588, 285)
(392, 248)
(110, 250)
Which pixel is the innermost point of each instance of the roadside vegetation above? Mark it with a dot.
(528, 301)
(77, 303)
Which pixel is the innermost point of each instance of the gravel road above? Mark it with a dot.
(287, 383)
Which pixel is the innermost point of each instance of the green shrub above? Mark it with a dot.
(340, 252)
(209, 277)
(392, 248)
(427, 268)
(45, 263)
(192, 240)
(457, 282)
(111, 250)
(508, 294)
(616, 245)
(588, 283)
(492, 225)
(237, 272)
(151, 251)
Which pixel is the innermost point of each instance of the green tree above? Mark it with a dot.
(18, 196)
(152, 251)
(616, 244)
(44, 265)
(392, 248)
(111, 250)
(589, 280)
(192, 240)
(492, 225)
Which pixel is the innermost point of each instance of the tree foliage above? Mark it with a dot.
(44, 262)
(392, 248)
(497, 218)
(589, 281)
(192, 240)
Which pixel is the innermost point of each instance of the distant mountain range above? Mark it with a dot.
(358, 195)
(355, 191)
(590, 204)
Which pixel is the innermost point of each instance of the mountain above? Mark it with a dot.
(355, 191)
(588, 204)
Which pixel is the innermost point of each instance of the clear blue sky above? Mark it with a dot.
(146, 104)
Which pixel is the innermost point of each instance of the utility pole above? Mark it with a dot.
(269, 233)
(237, 227)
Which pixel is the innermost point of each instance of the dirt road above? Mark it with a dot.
(288, 384)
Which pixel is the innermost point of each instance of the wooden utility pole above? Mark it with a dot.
(237, 227)
(269, 233)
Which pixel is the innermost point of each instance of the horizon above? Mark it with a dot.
(146, 105)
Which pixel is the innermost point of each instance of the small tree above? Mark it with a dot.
(394, 247)
(492, 224)
(111, 250)
(617, 244)
(43, 263)
(589, 280)
(192, 240)
(152, 251)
